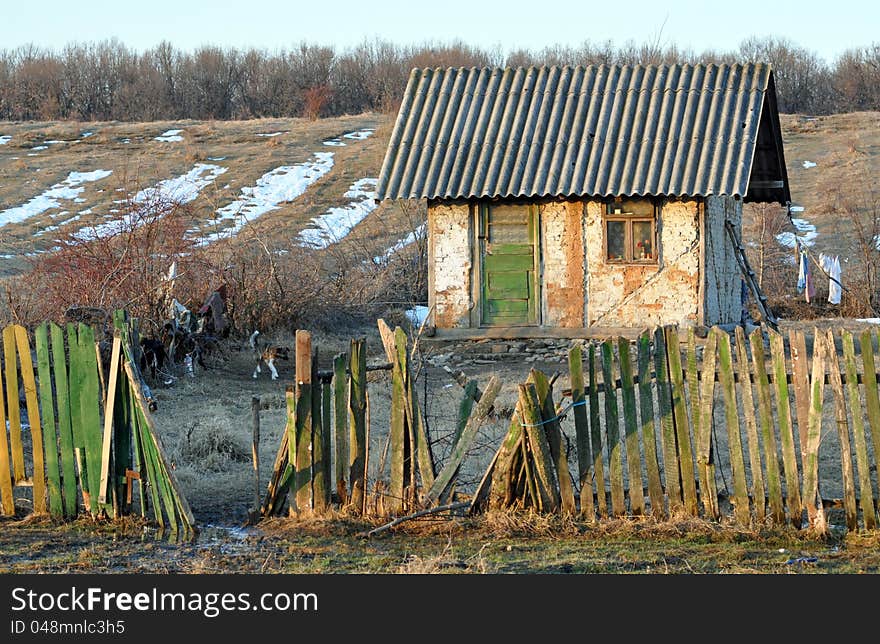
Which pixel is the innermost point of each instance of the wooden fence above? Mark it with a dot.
(715, 427)
(91, 446)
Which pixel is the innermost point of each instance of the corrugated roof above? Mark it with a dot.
(573, 131)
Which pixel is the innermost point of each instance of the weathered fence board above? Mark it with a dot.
(672, 475)
(596, 436)
(12, 406)
(740, 496)
(748, 411)
(682, 424)
(649, 438)
(705, 452)
(840, 416)
(768, 435)
(65, 426)
(47, 409)
(783, 412)
(357, 407)
(612, 432)
(866, 496)
(631, 428)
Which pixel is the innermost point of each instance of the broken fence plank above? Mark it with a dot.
(649, 436)
(612, 433)
(783, 412)
(682, 423)
(840, 416)
(631, 428)
(553, 431)
(65, 428)
(768, 435)
(47, 409)
(748, 405)
(446, 476)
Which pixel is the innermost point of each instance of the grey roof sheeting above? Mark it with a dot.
(601, 130)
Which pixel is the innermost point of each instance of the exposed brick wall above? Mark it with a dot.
(562, 262)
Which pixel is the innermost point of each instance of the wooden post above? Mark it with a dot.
(110, 400)
(866, 495)
(326, 434)
(801, 383)
(320, 453)
(768, 437)
(631, 427)
(596, 435)
(545, 476)
(649, 437)
(748, 406)
(667, 424)
(783, 413)
(705, 451)
(12, 405)
(50, 441)
(302, 480)
(811, 497)
(90, 412)
(553, 432)
(7, 498)
(682, 425)
(740, 496)
(500, 492)
(846, 464)
(582, 430)
(340, 421)
(612, 431)
(290, 426)
(357, 402)
(872, 402)
(255, 453)
(399, 456)
(65, 429)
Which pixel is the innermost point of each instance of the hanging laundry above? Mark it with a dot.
(835, 286)
(831, 266)
(801, 257)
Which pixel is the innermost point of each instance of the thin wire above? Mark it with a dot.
(803, 248)
(559, 415)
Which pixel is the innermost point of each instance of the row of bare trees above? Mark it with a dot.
(109, 81)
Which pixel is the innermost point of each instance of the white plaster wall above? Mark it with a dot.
(723, 301)
(449, 266)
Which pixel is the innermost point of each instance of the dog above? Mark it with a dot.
(153, 357)
(267, 354)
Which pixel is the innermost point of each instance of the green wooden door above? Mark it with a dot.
(507, 249)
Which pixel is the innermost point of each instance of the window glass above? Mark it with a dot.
(642, 240)
(616, 231)
(508, 224)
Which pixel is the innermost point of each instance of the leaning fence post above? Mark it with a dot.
(302, 477)
(340, 419)
(357, 404)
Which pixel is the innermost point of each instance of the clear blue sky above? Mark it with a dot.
(827, 27)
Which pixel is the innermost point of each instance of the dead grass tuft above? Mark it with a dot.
(213, 445)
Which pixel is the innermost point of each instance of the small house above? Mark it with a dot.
(567, 198)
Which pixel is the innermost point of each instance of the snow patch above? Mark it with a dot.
(359, 135)
(180, 190)
(809, 164)
(170, 136)
(278, 186)
(68, 189)
(5, 139)
(414, 236)
(336, 223)
(40, 147)
(270, 134)
(334, 143)
(806, 234)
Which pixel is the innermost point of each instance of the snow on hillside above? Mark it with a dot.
(181, 190)
(67, 190)
(278, 186)
(170, 136)
(336, 223)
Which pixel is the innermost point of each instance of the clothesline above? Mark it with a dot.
(807, 252)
